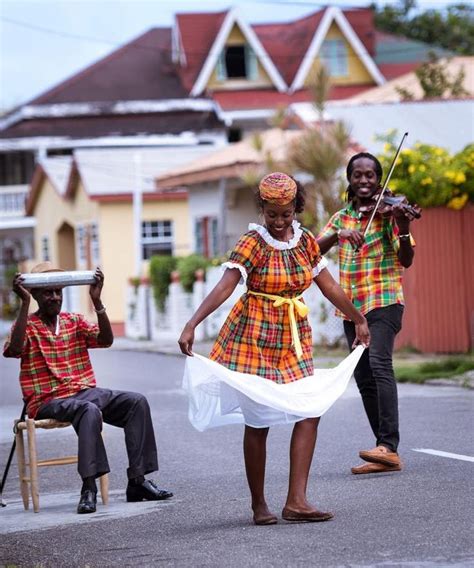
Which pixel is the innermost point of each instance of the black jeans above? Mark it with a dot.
(374, 373)
(127, 410)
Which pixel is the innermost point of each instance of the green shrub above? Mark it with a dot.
(161, 268)
(429, 175)
(187, 266)
(419, 373)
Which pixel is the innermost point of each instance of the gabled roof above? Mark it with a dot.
(231, 19)
(196, 33)
(336, 15)
(110, 175)
(287, 43)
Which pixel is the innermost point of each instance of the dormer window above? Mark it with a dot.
(237, 62)
(334, 56)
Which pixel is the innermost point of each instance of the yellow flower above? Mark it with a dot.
(407, 151)
(460, 178)
(422, 168)
(387, 147)
(426, 181)
(439, 151)
(458, 202)
(411, 168)
(449, 174)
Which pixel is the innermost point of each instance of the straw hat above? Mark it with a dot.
(45, 267)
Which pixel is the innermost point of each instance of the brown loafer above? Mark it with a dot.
(305, 517)
(382, 455)
(374, 468)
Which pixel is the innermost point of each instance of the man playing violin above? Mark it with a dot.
(371, 269)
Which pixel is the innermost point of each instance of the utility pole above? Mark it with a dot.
(137, 215)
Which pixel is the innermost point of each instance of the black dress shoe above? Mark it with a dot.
(146, 491)
(87, 502)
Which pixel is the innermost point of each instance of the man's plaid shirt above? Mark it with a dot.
(372, 276)
(56, 366)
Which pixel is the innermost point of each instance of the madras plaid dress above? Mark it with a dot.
(56, 365)
(256, 336)
(372, 276)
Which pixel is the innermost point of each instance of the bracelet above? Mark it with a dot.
(100, 310)
(407, 236)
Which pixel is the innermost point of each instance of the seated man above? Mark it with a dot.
(58, 382)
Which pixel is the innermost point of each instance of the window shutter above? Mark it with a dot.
(198, 238)
(221, 72)
(251, 64)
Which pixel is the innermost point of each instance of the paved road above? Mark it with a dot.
(421, 517)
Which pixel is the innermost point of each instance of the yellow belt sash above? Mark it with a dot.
(293, 304)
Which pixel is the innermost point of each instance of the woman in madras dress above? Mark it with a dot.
(267, 334)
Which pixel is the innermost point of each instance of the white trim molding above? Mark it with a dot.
(233, 18)
(334, 14)
(63, 110)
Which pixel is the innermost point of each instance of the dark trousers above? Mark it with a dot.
(127, 410)
(374, 373)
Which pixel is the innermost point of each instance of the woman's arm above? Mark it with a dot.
(216, 297)
(335, 294)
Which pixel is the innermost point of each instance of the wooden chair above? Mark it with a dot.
(33, 464)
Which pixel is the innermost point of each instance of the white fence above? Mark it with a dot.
(145, 321)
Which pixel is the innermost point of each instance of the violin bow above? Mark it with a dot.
(389, 175)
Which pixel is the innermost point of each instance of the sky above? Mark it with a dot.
(43, 42)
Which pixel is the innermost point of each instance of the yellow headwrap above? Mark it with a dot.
(278, 188)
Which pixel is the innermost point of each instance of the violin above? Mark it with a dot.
(387, 202)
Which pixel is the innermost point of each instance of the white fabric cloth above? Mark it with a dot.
(218, 396)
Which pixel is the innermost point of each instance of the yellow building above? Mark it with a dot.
(85, 218)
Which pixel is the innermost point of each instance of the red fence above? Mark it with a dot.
(439, 286)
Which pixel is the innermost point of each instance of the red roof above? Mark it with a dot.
(115, 125)
(286, 44)
(197, 32)
(362, 22)
(140, 70)
(393, 70)
(258, 99)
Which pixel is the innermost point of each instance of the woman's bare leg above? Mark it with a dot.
(255, 454)
(303, 442)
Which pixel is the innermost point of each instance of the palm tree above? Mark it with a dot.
(321, 152)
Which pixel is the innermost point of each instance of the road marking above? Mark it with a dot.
(445, 454)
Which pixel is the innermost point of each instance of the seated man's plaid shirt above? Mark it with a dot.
(56, 365)
(372, 276)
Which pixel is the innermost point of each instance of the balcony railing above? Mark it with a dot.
(12, 200)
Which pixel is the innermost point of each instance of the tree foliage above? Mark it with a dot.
(452, 29)
(435, 80)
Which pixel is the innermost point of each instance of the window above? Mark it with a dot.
(16, 168)
(94, 240)
(81, 244)
(45, 255)
(206, 234)
(157, 238)
(334, 57)
(237, 62)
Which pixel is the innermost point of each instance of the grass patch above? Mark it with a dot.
(421, 372)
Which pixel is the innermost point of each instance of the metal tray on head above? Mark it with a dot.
(52, 279)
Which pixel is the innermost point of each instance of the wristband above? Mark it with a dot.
(100, 311)
(407, 236)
